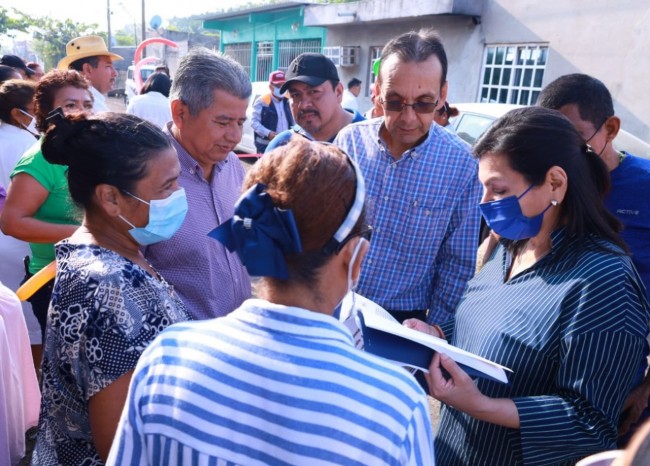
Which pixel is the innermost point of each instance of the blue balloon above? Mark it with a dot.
(155, 22)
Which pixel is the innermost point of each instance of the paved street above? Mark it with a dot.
(116, 104)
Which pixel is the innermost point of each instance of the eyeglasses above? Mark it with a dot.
(399, 106)
(365, 232)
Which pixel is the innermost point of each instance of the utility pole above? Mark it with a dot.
(135, 27)
(108, 22)
(144, 30)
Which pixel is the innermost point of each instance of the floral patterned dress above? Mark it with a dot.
(105, 310)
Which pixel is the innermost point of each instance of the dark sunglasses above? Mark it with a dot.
(418, 107)
(365, 232)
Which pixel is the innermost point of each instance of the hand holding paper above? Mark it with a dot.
(385, 337)
(450, 384)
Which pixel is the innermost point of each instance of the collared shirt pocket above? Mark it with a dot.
(424, 226)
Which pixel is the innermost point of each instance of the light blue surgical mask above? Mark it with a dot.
(165, 218)
(508, 221)
(277, 93)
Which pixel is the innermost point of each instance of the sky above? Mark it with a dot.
(124, 11)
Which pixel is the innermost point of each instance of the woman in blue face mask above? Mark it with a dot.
(278, 380)
(107, 303)
(558, 301)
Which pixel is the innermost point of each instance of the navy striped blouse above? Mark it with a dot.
(573, 328)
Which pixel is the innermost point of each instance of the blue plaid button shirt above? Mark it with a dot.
(424, 208)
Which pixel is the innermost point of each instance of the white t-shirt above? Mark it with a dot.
(99, 105)
(15, 142)
(349, 101)
(153, 107)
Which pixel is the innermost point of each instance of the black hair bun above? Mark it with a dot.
(58, 146)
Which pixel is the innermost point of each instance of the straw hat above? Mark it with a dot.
(83, 47)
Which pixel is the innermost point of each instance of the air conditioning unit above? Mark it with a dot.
(350, 55)
(345, 55)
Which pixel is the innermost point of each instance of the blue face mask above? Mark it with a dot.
(165, 218)
(506, 219)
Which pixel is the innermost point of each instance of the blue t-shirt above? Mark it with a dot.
(283, 138)
(629, 200)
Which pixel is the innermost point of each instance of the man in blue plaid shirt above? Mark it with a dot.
(422, 187)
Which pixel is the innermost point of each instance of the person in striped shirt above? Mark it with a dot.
(278, 381)
(423, 191)
(559, 302)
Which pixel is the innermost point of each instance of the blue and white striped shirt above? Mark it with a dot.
(270, 384)
(572, 328)
(424, 208)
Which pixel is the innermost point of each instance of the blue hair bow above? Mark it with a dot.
(260, 233)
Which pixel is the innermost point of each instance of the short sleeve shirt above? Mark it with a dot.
(105, 310)
(58, 206)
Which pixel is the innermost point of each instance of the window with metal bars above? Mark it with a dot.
(264, 61)
(290, 49)
(513, 74)
(241, 53)
(374, 54)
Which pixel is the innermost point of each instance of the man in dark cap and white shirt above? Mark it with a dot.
(315, 94)
(18, 64)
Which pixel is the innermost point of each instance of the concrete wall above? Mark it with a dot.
(378, 10)
(605, 39)
(459, 34)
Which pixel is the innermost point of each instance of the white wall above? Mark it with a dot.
(605, 39)
(458, 33)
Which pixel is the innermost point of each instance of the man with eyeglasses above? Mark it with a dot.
(315, 95)
(422, 187)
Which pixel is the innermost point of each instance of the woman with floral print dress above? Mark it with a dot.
(108, 303)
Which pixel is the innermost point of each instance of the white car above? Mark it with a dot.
(247, 144)
(474, 119)
(130, 87)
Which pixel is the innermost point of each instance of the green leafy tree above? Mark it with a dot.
(124, 37)
(51, 35)
(12, 22)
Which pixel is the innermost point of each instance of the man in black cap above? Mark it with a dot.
(18, 64)
(315, 94)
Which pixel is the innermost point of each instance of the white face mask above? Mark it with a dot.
(352, 284)
(277, 93)
(31, 127)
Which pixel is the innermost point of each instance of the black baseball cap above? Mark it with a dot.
(16, 62)
(310, 68)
